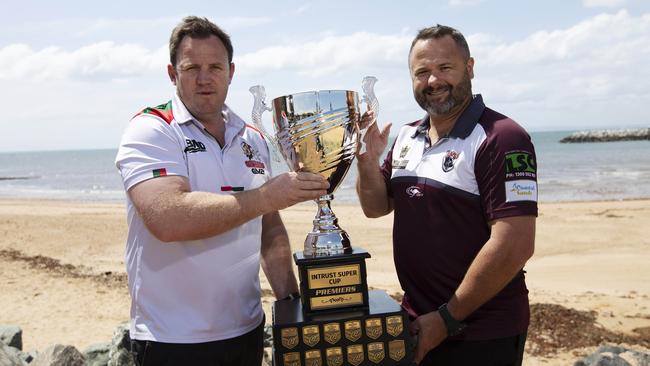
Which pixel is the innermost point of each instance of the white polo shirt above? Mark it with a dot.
(201, 290)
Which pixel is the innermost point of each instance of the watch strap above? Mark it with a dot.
(454, 327)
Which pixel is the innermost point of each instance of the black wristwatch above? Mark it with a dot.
(454, 327)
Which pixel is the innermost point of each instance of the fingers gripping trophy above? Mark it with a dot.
(318, 131)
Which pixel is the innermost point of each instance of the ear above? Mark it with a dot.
(232, 72)
(172, 73)
(470, 67)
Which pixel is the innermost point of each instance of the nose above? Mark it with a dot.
(203, 76)
(433, 79)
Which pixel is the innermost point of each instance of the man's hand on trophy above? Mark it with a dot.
(430, 330)
(374, 139)
(290, 188)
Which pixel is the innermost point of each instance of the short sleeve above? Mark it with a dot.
(149, 148)
(387, 170)
(506, 171)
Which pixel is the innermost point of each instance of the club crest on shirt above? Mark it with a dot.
(449, 160)
(253, 162)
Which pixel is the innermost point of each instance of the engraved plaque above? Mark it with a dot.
(337, 300)
(310, 335)
(376, 352)
(394, 325)
(355, 354)
(396, 349)
(291, 359)
(313, 358)
(289, 337)
(334, 356)
(353, 330)
(335, 276)
(332, 332)
(373, 328)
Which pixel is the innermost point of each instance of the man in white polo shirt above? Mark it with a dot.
(203, 214)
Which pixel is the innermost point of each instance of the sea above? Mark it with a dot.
(566, 172)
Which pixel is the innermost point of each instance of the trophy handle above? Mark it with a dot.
(368, 87)
(259, 107)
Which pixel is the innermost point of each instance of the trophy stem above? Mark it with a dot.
(326, 238)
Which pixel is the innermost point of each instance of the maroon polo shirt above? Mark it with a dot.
(444, 196)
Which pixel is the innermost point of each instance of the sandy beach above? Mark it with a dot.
(62, 276)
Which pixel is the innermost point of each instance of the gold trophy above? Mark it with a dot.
(336, 321)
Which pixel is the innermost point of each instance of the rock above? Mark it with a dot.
(608, 135)
(60, 355)
(266, 360)
(97, 354)
(119, 353)
(268, 336)
(9, 356)
(607, 355)
(12, 336)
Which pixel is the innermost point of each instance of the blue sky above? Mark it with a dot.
(72, 73)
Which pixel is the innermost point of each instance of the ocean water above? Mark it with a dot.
(566, 172)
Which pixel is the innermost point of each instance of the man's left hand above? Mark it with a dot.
(430, 330)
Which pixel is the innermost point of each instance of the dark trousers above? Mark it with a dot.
(245, 350)
(494, 352)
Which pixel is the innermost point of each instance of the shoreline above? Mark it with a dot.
(590, 256)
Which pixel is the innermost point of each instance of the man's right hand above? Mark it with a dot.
(375, 140)
(290, 188)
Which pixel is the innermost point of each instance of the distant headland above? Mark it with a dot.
(629, 134)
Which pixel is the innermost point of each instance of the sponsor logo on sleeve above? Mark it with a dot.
(521, 176)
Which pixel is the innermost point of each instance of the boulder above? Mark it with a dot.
(97, 354)
(607, 355)
(119, 353)
(9, 356)
(60, 355)
(12, 336)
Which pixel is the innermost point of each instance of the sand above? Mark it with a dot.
(62, 267)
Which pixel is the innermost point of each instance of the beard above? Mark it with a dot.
(457, 95)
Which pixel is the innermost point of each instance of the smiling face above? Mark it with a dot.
(441, 74)
(202, 76)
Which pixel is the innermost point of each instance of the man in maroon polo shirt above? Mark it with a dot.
(462, 182)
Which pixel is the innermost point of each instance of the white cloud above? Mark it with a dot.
(331, 54)
(602, 3)
(98, 60)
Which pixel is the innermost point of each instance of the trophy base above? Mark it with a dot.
(333, 283)
(376, 336)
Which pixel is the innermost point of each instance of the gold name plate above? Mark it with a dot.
(334, 286)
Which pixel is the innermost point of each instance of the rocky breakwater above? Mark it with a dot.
(631, 134)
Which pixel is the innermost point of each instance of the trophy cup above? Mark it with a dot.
(317, 131)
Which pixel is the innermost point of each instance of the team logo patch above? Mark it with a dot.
(414, 191)
(194, 146)
(449, 160)
(254, 161)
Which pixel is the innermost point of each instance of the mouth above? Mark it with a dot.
(436, 92)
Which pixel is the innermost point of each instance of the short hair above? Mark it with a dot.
(196, 27)
(439, 31)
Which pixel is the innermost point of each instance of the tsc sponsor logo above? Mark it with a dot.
(520, 164)
(414, 191)
(194, 146)
(257, 167)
